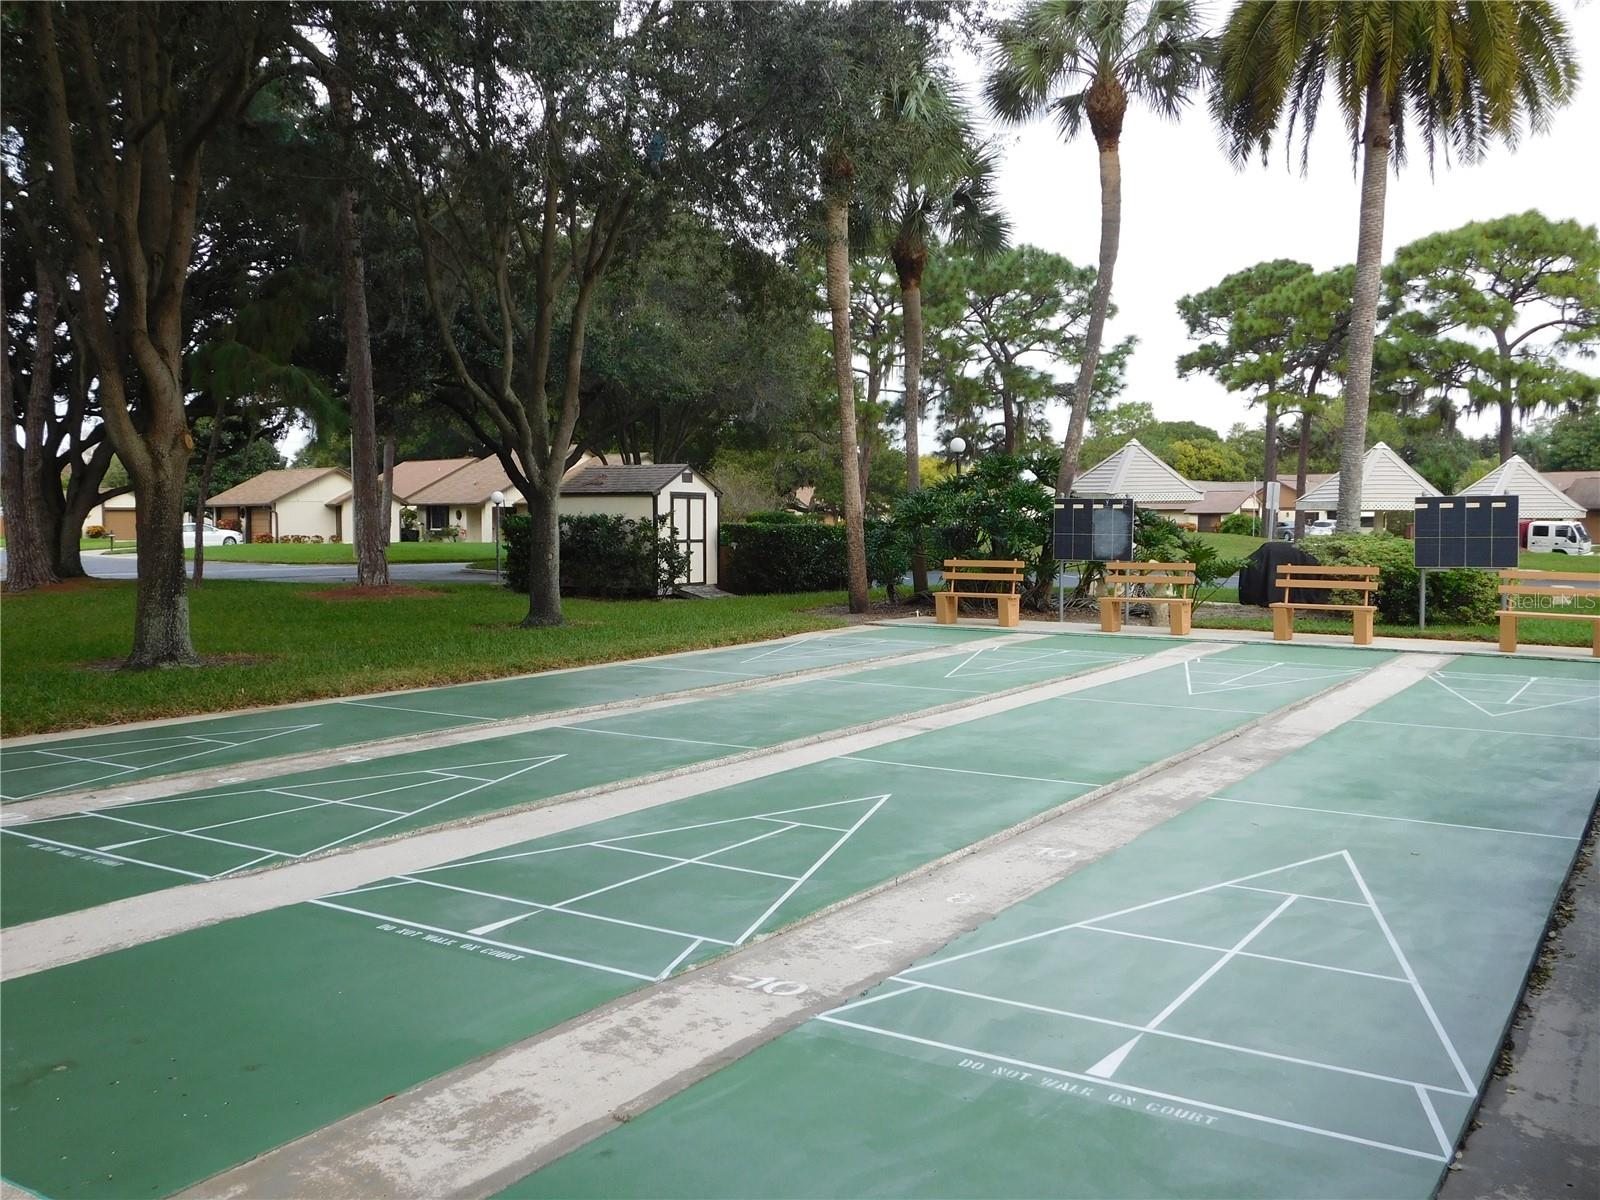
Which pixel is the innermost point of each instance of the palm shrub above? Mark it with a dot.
(1161, 539)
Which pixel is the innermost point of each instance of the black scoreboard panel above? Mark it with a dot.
(1093, 530)
(1466, 531)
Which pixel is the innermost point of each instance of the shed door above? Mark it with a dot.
(689, 532)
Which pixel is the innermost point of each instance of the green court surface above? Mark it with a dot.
(1296, 989)
(62, 864)
(191, 1054)
(109, 758)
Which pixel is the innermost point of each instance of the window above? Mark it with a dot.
(438, 516)
(1541, 531)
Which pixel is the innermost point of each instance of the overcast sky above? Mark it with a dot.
(1189, 218)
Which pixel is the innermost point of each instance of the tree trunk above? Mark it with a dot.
(1008, 421)
(544, 555)
(1269, 469)
(387, 506)
(28, 558)
(161, 612)
(1376, 138)
(911, 311)
(1303, 460)
(838, 261)
(1110, 236)
(371, 523)
(204, 490)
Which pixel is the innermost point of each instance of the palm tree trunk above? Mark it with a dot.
(1376, 139)
(911, 312)
(838, 263)
(1110, 236)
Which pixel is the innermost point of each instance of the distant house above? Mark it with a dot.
(118, 516)
(1584, 488)
(463, 499)
(690, 502)
(296, 501)
(1388, 485)
(409, 478)
(1134, 471)
(1224, 498)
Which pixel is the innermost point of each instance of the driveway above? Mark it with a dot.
(126, 566)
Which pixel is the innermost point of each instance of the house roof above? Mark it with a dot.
(1582, 486)
(1134, 471)
(1536, 495)
(413, 476)
(648, 479)
(271, 486)
(1221, 500)
(1387, 485)
(474, 483)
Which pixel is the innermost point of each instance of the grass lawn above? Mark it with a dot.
(1231, 545)
(299, 643)
(83, 543)
(343, 552)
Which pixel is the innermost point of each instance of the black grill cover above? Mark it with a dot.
(1255, 579)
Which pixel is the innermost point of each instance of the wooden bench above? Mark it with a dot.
(1123, 577)
(1297, 577)
(961, 573)
(1515, 582)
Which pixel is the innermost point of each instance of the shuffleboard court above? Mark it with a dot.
(1296, 989)
(191, 1054)
(109, 758)
(66, 863)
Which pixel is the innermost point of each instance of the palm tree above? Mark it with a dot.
(947, 190)
(1458, 72)
(1082, 60)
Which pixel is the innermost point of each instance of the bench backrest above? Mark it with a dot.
(1131, 574)
(1307, 577)
(1519, 581)
(958, 572)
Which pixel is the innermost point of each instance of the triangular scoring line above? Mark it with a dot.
(1525, 708)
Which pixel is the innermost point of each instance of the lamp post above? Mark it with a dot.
(958, 447)
(498, 499)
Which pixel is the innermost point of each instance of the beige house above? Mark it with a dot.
(288, 503)
(689, 501)
(463, 498)
(1223, 498)
(118, 516)
(1583, 488)
(409, 478)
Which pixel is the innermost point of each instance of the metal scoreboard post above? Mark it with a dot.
(1462, 531)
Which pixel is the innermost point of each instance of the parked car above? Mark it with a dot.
(211, 535)
(1322, 528)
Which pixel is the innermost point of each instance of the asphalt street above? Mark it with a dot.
(126, 566)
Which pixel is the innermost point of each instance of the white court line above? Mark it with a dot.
(1227, 957)
(534, 904)
(427, 711)
(1521, 733)
(1292, 962)
(673, 965)
(1339, 812)
(1297, 895)
(702, 671)
(806, 824)
(1512, 699)
(1528, 708)
(812, 870)
(1057, 1072)
(889, 762)
(881, 996)
(1416, 986)
(964, 662)
(657, 738)
(679, 859)
(33, 837)
(456, 933)
(165, 832)
(1433, 1119)
(1134, 1027)
(321, 802)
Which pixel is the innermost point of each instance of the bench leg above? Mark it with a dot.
(1363, 625)
(1181, 618)
(1283, 624)
(944, 608)
(1010, 611)
(1110, 615)
(1596, 626)
(1508, 634)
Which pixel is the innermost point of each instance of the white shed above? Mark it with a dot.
(1536, 495)
(644, 492)
(1135, 472)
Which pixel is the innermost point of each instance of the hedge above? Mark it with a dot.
(601, 555)
(1455, 597)
(807, 556)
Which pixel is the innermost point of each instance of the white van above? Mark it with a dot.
(1556, 537)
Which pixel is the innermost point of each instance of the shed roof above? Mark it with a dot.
(1536, 495)
(623, 479)
(1221, 499)
(271, 486)
(1134, 471)
(1388, 484)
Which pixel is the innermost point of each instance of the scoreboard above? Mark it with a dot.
(1466, 531)
(1093, 530)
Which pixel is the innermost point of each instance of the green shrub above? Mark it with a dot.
(775, 516)
(601, 555)
(1239, 523)
(1160, 539)
(784, 557)
(1456, 597)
